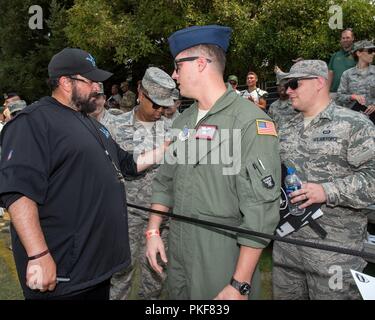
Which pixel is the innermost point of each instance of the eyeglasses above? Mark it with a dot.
(88, 82)
(154, 105)
(294, 84)
(369, 51)
(177, 61)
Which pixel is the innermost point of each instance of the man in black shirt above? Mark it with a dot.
(61, 180)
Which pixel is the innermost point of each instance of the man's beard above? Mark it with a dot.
(87, 105)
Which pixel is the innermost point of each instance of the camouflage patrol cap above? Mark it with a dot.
(232, 77)
(16, 106)
(159, 86)
(175, 94)
(280, 76)
(308, 69)
(363, 44)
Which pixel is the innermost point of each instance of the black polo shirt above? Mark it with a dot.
(56, 157)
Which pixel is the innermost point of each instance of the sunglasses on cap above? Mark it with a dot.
(294, 84)
(154, 105)
(177, 61)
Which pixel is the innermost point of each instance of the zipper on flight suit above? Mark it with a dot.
(195, 128)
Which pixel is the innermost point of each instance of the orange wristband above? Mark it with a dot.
(151, 233)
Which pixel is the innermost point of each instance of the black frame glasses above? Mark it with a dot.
(294, 84)
(89, 82)
(177, 61)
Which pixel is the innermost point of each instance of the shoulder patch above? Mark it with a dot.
(265, 127)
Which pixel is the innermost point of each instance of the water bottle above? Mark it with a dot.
(293, 183)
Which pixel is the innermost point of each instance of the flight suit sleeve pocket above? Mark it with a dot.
(263, 183)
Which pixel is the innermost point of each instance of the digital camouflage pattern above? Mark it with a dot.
(159, 86)
(359, 82)
(133, 137)
(336, 150)
(16, 106)
(128, 101)
(363, 44)
(308, 69)
(281, 111)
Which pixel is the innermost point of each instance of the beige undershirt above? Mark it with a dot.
(147, 125)
(201, 114)
(307, 120)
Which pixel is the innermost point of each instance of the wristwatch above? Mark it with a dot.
(242, 287)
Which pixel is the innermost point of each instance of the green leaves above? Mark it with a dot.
(126, 36)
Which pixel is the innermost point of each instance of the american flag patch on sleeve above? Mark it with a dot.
(266, 127)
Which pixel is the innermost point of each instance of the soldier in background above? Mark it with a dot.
(233, 81)
(172, 113)
(10, 97)
(101, 114)
(14, 108)
(128, 99)
(281, 110)
(333, 150)
(357, 86)
(137, 131)
(115, 98)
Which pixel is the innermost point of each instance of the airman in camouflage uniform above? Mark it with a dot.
(281, 111)
(101, 114)
(140, 130)
(333, 150)
(128, 99)
(359, 81)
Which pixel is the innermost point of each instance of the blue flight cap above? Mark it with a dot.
(194, 36)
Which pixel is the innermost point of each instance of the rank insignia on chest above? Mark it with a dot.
(184, 134)
(268, 182)
(206, 132)
(265, 127)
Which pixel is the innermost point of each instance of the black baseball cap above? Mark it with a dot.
(71, 61)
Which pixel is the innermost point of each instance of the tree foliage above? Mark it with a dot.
(127, 36)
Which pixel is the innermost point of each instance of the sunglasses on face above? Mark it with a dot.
(154, 105)
(177, 61)
(369, 51)
(294, 83)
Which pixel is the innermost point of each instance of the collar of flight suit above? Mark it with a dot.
(222, 103)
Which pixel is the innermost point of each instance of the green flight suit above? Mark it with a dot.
(202, 259)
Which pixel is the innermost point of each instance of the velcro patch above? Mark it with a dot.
(268, 182)
(206, 132)
(265, 127)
